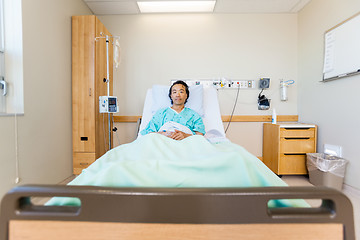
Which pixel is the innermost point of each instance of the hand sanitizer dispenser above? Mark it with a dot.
(273, 117)
(283, 89)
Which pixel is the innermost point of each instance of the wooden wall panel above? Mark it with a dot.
(83, 53)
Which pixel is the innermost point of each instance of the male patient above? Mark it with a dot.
(176, 122)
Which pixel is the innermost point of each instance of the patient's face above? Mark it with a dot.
(178, 94)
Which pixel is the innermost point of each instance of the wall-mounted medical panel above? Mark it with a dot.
(222, 83)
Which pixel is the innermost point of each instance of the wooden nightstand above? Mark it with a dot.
(285, 146)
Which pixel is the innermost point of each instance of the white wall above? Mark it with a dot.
(159, 47)
(44, 131)
(332, 105)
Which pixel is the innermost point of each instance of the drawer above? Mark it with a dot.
(82, 160)
(297, 132)
(292, 164)
(297, 145)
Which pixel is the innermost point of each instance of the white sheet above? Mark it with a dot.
(212, 118)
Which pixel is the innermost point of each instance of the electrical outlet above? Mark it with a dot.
(243, 84)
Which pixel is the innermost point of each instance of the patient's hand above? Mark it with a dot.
(179, 135)
(165, 133)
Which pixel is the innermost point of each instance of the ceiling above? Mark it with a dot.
(115, 7)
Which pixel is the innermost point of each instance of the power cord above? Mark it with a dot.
(103, 129)
(117, 136)
(232, 113)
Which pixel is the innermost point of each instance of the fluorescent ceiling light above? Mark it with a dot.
(176, 6)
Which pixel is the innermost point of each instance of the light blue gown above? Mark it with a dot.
(186, 117)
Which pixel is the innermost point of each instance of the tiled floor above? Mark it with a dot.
(354, 197)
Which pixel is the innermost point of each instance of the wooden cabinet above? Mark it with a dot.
(285, 147)
(89, 68)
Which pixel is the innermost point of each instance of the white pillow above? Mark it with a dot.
(160, 94)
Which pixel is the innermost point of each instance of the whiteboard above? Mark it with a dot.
(342, 50)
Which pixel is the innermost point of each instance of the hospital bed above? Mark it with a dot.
(144, 205)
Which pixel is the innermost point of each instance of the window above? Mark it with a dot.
(2, 61)
(12, 57)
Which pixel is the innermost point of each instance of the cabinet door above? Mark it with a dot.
(82, 161)
(292, 164)
(271, 135)
(83, 95)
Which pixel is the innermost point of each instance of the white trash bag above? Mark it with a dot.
(326, 163)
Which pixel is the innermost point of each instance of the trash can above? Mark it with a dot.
(326, 170)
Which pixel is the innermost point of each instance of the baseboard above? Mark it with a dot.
(351, 190)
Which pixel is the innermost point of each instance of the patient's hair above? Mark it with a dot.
(186, 89)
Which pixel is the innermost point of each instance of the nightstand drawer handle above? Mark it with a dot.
(297, 138)
(296, 154)
(84, 163)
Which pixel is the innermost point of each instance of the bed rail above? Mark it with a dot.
(229, 209)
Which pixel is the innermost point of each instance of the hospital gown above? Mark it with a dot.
(186, 117)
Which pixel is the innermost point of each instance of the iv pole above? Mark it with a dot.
(108, 85)
(107, 78)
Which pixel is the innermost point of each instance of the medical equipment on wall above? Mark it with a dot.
(263, 102)
(283, 89)
(108, 104)
(264, 83)
(3, 86)
(220, 83)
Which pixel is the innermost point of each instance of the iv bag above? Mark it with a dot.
(117, 53)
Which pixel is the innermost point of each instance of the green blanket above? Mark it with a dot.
(157, 161)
